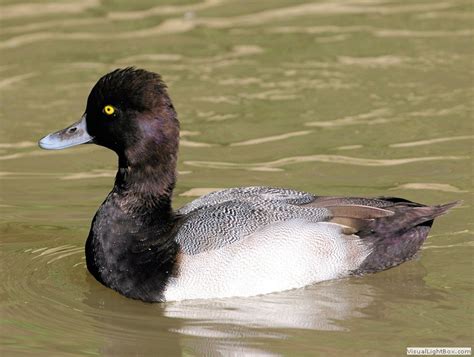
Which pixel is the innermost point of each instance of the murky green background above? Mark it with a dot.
(361, 97)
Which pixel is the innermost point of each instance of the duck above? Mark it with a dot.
(235, 242)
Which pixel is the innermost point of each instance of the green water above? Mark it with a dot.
(362, 97)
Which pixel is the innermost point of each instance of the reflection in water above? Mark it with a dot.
(318, 307)
(236, 325)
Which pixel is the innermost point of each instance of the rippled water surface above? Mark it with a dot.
(361, 97)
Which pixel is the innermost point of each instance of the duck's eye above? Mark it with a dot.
(108, 110)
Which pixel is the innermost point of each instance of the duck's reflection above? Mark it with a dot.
(318, 307)
(233, 326)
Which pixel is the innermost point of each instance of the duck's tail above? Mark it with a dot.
(397, 238)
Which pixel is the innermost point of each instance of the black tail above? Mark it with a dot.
(398, 237)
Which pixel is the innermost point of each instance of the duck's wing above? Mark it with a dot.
(248, 194)
(218, 225)
(225, 217)
(228, 216)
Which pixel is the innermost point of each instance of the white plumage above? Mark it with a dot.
(277, 257)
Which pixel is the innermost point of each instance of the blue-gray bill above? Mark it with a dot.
(76, 134)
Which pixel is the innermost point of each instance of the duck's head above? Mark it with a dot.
(128, 111)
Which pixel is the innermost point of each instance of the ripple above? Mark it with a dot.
(89, 175)
(32, 10)
(153, 57)
(194, 144)
(428, 186)
(221, 117)
(35, 153)
(349, 147)
(428, 34)
(189, 133)
(41, 299)
(334, 159)
(16, 175)
(199, 191)
(6, 82)
(378, 32)
(164, 10)
(18, 145)
(42, 36)
(464, 231)
(236, 51)
(57, 253)
(302, 83)
(218, 99)
(439, 112)
(51, 24)
(200, 64)
(273, 95)
(271, 138)
(93, 174)
(376, 116)
(322, 9)
(447, 15)
(80, 66)
(380, 61)
(167, 27)
(181, 25)
(318, 29)
(432, 141)
(448, 246)
(242, 81)
(334, 38)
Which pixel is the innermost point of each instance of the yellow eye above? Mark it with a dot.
(109, 110)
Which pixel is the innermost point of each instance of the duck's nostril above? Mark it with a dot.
(71, 130)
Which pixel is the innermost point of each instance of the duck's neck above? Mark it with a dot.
(131, 246)
(145, 187)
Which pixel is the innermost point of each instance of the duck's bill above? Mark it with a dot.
(76, 134)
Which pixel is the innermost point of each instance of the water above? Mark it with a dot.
(363, 97)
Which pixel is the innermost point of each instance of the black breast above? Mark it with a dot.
(131, 253)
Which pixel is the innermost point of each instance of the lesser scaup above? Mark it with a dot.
(235, 242)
